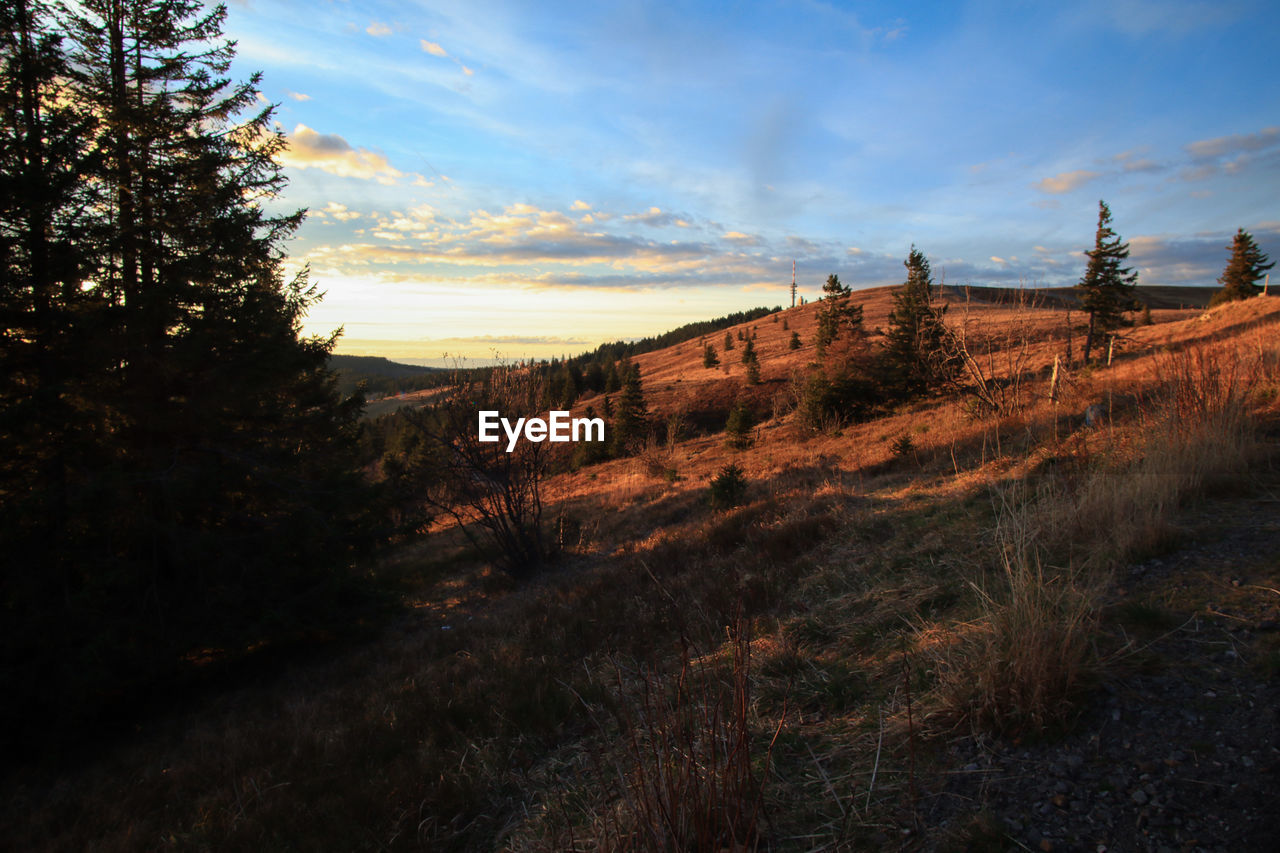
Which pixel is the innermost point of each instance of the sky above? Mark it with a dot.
(510, 180)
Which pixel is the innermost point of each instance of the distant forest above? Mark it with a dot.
(589, 371)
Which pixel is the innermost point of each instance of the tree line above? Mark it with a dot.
(177, 468)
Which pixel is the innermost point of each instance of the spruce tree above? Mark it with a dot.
(751, 360)
(1244, 269)
(836, 314)
(794, 343)
(631, 424)
(709, 357)
(916, 357)
(1107, 289)
(215, 476)
(51, 413)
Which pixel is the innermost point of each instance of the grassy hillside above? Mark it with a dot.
(941, 629)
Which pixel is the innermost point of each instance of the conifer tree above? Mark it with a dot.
(631, 424)
(751, 360)
(709, 357)
(50, 412)
(738, 426)
(728, 341)
(217, 474)
(794, 343)
(1107, 289)
(916, 353)
(1244, 269)
(836, 314)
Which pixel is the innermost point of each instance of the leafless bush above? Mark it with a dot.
(480, 484)
(995, 366)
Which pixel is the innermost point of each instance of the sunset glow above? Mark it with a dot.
(537, 178)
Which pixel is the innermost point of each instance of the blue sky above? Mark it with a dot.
(534, 178)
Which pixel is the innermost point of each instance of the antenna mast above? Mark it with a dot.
(793, 282)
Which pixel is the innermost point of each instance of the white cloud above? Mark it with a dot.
(378, 29)
(330, 153)
(433, 48)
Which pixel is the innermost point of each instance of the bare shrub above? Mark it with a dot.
(480, 484)
(995, 367)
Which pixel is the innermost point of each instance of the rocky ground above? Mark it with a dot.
(1179, 748)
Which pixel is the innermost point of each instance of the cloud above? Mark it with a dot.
(337, 211)
(521, 234)
(1208, 149)
(433, 48)
(297, 96)
(580, 205)
(330, 153)
(1198, 259)
(1065, 182)
(378, 29)
(1142, 165)
(996, 260)
(1232, 154)
(742, 239)
(654, 217)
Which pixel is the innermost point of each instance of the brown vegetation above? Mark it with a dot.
(879, 605)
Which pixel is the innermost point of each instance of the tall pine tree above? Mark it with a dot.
(1107, 290)
(1245, 268)
(631, 424)
(917, 358)
(213, 474)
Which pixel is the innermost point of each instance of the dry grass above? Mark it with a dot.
(687, 779)
(1022, 665)
(464, 726)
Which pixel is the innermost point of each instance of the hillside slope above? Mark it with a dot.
(1010, 632)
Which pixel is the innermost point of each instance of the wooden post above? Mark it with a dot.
(1053, 380)
(1111, 348)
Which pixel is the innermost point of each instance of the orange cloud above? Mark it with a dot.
(1065, 182)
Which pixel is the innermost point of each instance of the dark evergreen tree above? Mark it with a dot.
(1244, 270)
(631, 425)
(916, 356)
(728, 341)
(751, 360)
(738, 427)
(594, 377)
(794, 343)
(51, 413)
(709, 357)
(1107, 290)
(215, 475)
(836, 314)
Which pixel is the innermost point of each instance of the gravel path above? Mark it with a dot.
(1179, 750)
